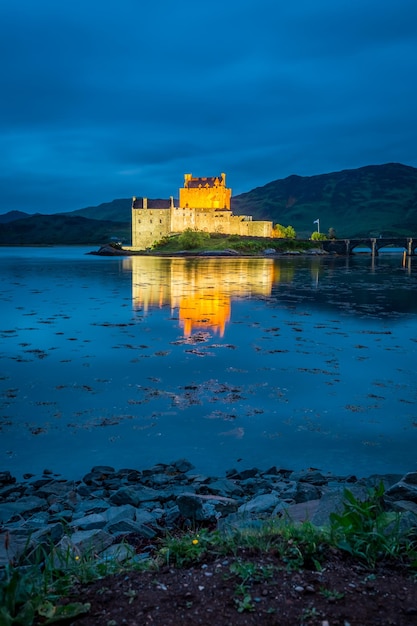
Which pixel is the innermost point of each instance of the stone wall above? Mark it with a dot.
(148, 226)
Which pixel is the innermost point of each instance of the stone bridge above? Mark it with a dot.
(347, 246)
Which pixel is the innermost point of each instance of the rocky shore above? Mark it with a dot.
(108, 511)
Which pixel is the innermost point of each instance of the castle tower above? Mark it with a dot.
(205, 193)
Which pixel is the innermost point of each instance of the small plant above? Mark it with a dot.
(23, 598)
(186, 549)
(243, 600)
(364, 529)
(309, 614)
(248, 571)
(331, 594)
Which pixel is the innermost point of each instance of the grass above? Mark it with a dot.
(363, 529)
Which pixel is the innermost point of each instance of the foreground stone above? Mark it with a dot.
(67, 520)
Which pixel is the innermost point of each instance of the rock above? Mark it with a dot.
(205, 508)
(405, 489)
(25, 505)
(119, 552)
(116, 513)
(260, 504)
(125, 495)
(94, 505)
(313, 477)
(6, 479)
(305, 492)
(80, 543)
(303, 512)
(222, 487)
(129, 526)
(182, 465)
(89, 522)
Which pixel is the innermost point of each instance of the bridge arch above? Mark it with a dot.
(347, 246)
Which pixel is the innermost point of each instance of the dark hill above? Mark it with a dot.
(372, 200)
(116, 211)
(62, 229)
(11, 216)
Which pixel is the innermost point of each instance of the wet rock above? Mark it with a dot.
(89, 522)
(22, 507)
(222, 487)
(6, 479)
(117, 513)
(84, 542)
(260, 504)
(182, 465)
(119, 552)
(125, 495)
(305, 492)
(405, 489)
(313, 477)
(128, 526)
(205, 508)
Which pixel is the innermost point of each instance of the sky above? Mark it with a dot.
(113, 99)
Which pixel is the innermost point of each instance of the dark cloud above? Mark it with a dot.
(115, 99)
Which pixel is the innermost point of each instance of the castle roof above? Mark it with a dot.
(204, 181)
(152, 203)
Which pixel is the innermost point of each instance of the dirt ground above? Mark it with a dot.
(252, 588)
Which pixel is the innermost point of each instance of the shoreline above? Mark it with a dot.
(93, 514)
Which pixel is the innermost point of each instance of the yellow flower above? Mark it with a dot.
(195, 541)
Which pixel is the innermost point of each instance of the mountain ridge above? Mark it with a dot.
(372, 200)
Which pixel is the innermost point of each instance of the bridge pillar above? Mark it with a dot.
(347, 244)
(373, 247)
(410, 246)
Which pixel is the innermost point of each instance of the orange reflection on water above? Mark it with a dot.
(201, 289)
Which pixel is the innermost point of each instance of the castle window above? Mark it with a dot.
(160, 221)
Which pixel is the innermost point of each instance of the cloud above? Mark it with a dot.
(120, 99)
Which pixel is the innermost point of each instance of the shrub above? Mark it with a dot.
(191, 239)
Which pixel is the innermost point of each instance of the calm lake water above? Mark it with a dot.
(297, 362)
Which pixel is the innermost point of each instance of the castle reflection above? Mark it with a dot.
(200, 289)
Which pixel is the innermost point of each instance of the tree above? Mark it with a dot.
(316, 236)
(284, 232)
(332, 233)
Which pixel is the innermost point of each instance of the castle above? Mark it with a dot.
(204, 205)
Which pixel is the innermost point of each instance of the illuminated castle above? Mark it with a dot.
(204, 205)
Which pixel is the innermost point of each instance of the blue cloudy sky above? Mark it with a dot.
(110, 99)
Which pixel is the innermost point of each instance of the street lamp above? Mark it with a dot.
(317, 221)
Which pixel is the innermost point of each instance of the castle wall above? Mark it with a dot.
(207, 220)
(149, 225)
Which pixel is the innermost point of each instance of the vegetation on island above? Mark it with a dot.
(197, 241)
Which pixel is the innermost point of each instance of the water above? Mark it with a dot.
(296, 362)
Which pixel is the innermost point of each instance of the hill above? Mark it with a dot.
(371, 200)
(11, 216)
(62, 229)
(368, 201)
